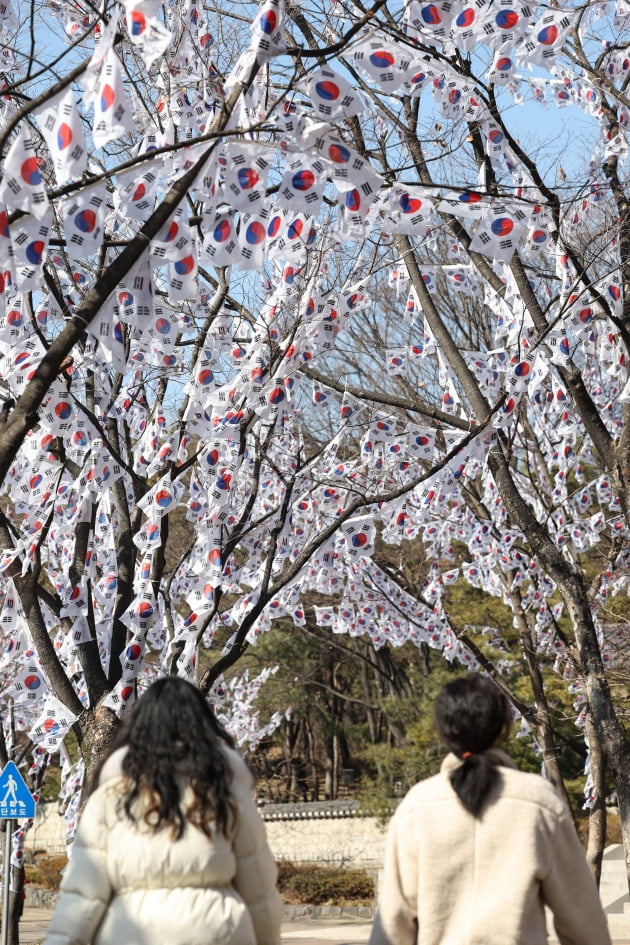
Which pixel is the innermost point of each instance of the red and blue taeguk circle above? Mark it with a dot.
(327, 90)
(502, 226)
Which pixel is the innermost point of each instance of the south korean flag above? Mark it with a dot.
(332, 96)
(145, 29)
(60, 123)
(175, 238)
(499, 231)
(430, 18)
(221, 245)
(83, 216)
(505, 23)
(29, 244)
(252, 237)
(409, 211)
(22, 187)
(544, 39)
(52, 725)
(268, 31)
(244, 176)
(359, 534)
(135, 195)
(182, 275)
(112, 114)
(466, 26)
(347, 168)
(384, 61)
(303, 184)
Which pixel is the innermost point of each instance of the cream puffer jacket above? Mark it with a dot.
(453, 879)
(127, 885)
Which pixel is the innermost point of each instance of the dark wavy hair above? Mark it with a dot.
(172, 734)
(472, 715)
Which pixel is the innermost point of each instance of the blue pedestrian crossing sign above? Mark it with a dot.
(16, 801)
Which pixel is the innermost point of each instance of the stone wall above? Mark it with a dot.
(304, 833)
(48, 831)
(347, 841)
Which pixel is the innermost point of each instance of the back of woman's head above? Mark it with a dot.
(472, 715)
(172, 738)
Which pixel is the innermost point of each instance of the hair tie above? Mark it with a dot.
(467, 754)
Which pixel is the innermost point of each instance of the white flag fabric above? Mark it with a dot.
(29, 243)
(60, 123)
(145, 29)
(113, 116)
(83, 216)
(22, 187)
(331, 95)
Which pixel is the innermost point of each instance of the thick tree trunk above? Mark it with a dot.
(610, 734)
(585, 646)
(543, 728)
(597, 812)
(16, 904)
(97, 728)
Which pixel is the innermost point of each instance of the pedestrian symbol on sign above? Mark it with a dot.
(16, 801)
(10, 797)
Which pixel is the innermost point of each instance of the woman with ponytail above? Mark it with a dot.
(170, 848)
(475, 853)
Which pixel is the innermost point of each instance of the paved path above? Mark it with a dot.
(34, 922)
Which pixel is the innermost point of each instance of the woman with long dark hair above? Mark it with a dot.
(170, 848)
(476, 853)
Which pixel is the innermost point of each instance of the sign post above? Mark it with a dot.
(16, 803)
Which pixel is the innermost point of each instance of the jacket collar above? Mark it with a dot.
(496, 754)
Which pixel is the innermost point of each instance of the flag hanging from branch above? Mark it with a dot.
(83, 216)
(29, 243)
(499, 231)
(331, 95)
(22, 187)
(112, 114)
(243, 176)
(268, 30)
(145, 30)
(60, 122)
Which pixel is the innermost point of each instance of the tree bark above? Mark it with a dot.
(597, 812)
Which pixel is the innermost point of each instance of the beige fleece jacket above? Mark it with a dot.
(128, 885)
(453, 879)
